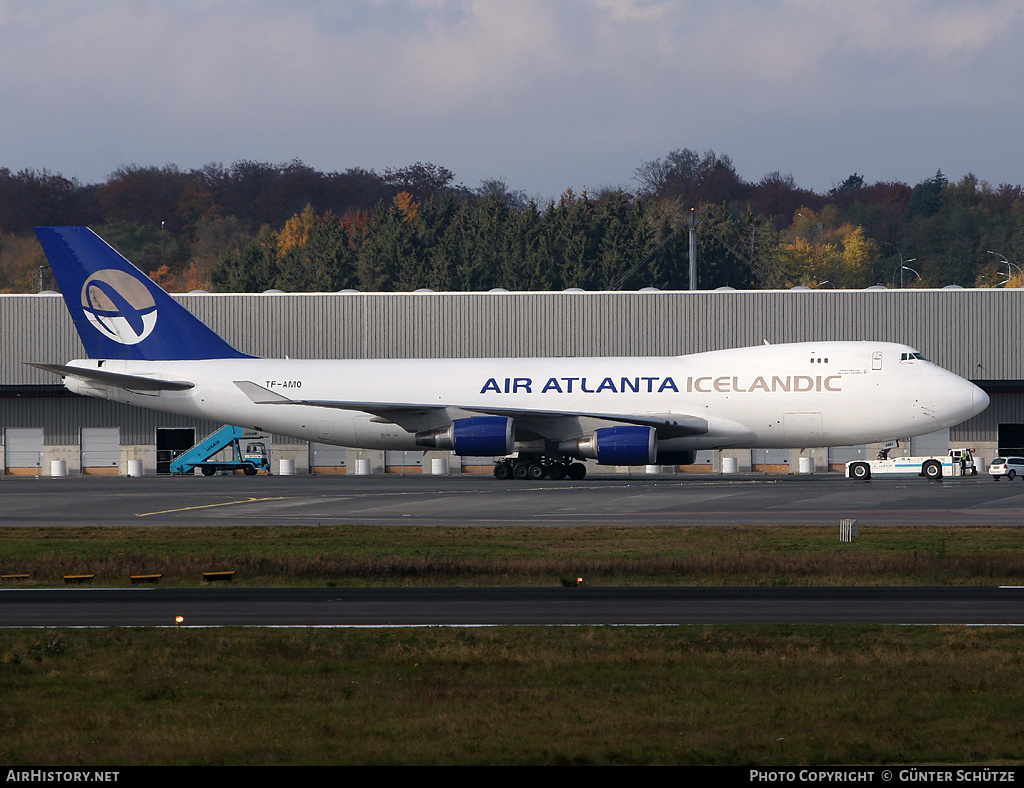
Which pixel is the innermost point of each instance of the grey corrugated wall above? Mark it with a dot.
(970, 332)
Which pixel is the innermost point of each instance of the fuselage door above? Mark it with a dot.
(803, 429)
(876, 359)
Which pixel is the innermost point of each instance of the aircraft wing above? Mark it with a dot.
(132, 382)
(414, 417)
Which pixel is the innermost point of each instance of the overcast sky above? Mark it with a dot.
(547, 94)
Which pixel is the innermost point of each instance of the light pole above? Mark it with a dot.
(1009, 267)
(693, 249)
(901, 267)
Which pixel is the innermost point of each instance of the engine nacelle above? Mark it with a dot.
(615, 446)
(479, 436)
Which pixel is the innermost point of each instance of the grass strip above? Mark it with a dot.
(518, 555)
(724, 695)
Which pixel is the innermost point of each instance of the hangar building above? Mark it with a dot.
(970, 332)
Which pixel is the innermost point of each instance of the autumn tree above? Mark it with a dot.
(819, 250)
(690, 178)
(32, 198)
(250, 269)
(421, 180)
(22, 265)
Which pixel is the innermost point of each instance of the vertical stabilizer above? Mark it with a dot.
(120, 312)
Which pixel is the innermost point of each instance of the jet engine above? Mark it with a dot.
(479, 436)
(615, 446)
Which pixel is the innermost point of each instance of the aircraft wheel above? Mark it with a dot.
(557, 472)
(536, 471)
(502, 471)
(521, 470)
(209, 470)
(932, 470)
(577, 471)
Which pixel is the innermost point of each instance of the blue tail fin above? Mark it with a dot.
(118, 310)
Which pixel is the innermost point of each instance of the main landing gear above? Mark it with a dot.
(538, 466)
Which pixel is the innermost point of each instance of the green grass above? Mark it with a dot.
(733, 695)
(514, 555)
(727, 695)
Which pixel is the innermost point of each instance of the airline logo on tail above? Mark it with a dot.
(116, 307)
(119, 306)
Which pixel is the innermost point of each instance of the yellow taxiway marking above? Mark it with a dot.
(211, 505)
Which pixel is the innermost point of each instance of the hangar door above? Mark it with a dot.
(327, 458)
(23, 451)
(1011, 439)
(170, 442)
(101, 450)
(403, 462)
(934, 443)
(769, 460)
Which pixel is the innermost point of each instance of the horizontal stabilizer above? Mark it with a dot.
(264, 396)
(260, 395)
(409, 416)
(134, 382)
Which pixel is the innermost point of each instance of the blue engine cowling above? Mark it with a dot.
(616, 446)
(479, 436)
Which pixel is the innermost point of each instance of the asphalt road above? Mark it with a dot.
(482, 500)
(508, 606)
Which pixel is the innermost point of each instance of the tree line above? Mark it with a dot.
(256, 226)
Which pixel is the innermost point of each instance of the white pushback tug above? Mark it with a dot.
(956, 462)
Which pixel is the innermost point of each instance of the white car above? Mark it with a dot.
(1007, 466)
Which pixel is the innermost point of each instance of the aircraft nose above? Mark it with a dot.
(972, 400)
(980, 401)
(955, 399)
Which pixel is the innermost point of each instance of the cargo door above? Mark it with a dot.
(803, 429)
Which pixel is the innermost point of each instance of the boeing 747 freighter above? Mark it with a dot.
(145, 349)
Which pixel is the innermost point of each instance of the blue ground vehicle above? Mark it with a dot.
(252, 460)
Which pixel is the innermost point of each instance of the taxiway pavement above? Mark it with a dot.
(481, 500)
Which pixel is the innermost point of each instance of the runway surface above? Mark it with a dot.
(508, 606)
(482, 500)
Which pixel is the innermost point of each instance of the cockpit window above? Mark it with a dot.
(912, 357)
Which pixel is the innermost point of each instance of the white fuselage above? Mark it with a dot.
(778, 396)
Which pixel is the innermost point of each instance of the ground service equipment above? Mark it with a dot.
(253, 459)
(957, 462)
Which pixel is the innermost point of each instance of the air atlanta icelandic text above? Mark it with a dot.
(725, 384)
